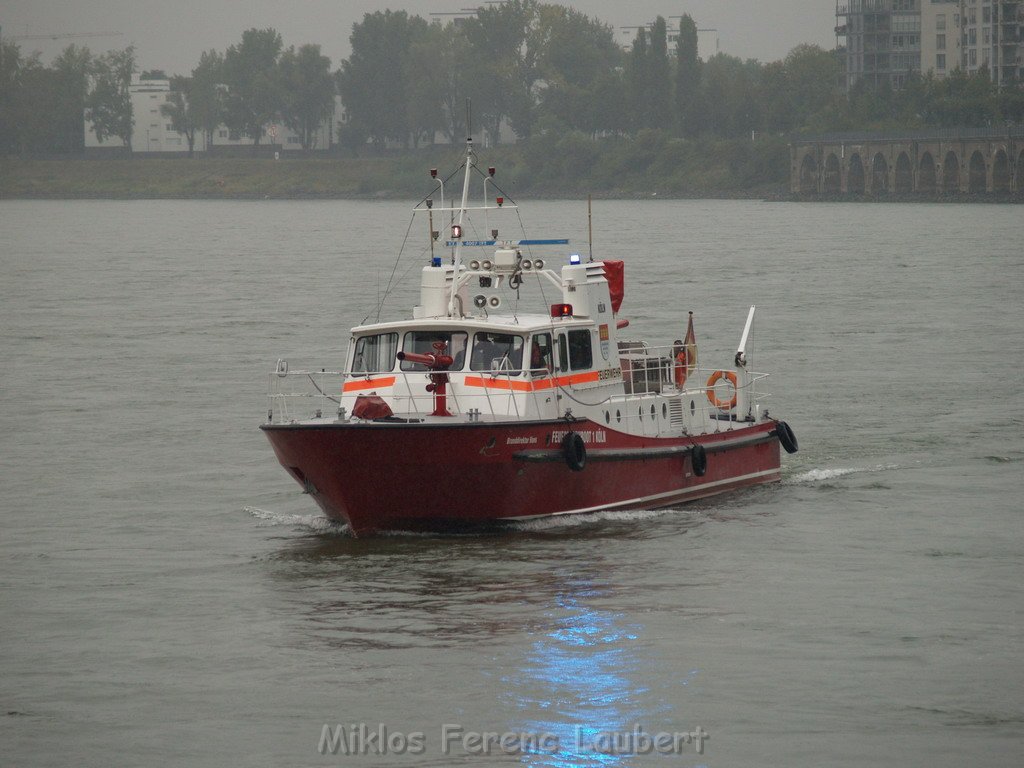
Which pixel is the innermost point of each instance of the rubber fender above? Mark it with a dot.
(786, 437)
(575, 451)
(699, 460)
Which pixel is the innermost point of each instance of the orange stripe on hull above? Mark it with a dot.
(530, 386)
(361, 384)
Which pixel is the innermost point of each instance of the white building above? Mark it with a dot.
(886, 39)
(153, 131)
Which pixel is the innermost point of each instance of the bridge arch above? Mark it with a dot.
(951, 173)
(855, 176)
(926, 174)
(976, 179)
(904, 174)
(879, 174)
(808, 174)
(833, 175)
(1000, 172)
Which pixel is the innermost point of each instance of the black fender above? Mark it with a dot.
(699, 460)
(786, 437)
(575, 451)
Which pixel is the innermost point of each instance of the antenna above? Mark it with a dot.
(469, 119)
(590, 227)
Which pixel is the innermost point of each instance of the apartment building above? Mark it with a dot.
(886, 39)
(991, 36)
(882, 39)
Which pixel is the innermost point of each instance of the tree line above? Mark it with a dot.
(253, 83)
(535, 68)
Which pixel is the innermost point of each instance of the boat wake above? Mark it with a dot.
(563, 522)
(312, 523)
(820, 475)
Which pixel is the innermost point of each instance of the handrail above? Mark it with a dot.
(648, 380)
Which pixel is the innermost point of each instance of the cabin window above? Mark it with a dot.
(499, 352)
(375, 353)
(422, 343)
(580, 355)
(563, 354)
(542, 355)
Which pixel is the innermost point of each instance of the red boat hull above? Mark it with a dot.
(430, 476)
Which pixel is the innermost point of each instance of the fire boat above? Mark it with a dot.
(542, 413)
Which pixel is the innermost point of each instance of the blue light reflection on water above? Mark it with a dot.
(588, 666)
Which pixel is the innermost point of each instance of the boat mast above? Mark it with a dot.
(462, 213)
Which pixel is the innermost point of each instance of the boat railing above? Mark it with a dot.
(651, 377)
(696, 405)
(298, 395)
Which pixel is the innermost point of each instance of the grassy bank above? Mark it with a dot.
(565, 166)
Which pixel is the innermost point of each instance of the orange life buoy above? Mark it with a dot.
(715, 378)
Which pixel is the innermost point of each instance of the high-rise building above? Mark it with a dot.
(990, 36)
(940, 36)
(882, 40)
(886, 39)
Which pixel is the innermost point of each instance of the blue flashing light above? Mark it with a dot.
(574, 258)
(436, 261)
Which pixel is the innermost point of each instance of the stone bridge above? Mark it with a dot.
(939, 162)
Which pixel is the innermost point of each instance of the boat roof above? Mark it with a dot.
(518, 323)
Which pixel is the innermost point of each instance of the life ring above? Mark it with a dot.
(715, 378)
(699, 460)
(575, 451)
(786, 437)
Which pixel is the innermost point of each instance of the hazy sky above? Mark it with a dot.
(170, 34)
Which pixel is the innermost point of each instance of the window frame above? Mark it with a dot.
(516, 364)
(576, 362)
(459, 362)
(363, 340)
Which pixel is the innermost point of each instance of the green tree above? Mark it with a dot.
(178, 109)
(308, 91)
(36, 101)
(109, 104)
(1011, 101)
(577, 60)
(687, 85)
(254, 95)
(504, 72)
(11, 90)
(812, 78)
(659, 78)
(427, 69)
(729, 95)
(372, 81)
(636, 81)
(206, 95)
(455, 58)
(72, 69)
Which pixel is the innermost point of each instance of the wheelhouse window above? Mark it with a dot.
(422, 343)
(375, 354)
(498, 352)
(563, 354)
(542, 355)
(580, 355)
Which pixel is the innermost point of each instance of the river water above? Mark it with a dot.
(169, 597)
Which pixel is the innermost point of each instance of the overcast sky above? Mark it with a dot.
(170, 34)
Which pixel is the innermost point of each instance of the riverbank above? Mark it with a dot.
(571, 167)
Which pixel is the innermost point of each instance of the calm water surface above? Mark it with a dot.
(168, 597)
